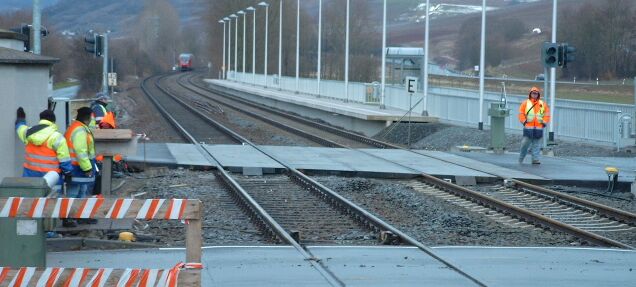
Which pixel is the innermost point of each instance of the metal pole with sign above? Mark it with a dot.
(411, 88)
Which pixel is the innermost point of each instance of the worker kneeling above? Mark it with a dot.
(81, 146)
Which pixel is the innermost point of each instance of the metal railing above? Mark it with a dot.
(582, 120)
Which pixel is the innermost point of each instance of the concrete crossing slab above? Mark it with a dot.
(554, 168)
(479, 165)
(381, 266)
(241, 156)
(188, 155)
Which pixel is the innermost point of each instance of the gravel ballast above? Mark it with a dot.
(433, 221)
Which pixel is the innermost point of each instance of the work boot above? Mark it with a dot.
(536, 161)
(69, 223)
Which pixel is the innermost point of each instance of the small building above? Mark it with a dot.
(403, 62)
(25, 81)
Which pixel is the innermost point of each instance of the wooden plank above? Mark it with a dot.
(187, 277)
(113, 134)
(20, 207)
(193, 241)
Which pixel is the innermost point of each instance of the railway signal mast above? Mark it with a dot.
(97, 44)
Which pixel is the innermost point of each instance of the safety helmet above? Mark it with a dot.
(126, 236)
(102, 97)
(535, 89)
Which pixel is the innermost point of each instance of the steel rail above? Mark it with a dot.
(496, 204)
(255, 208)
(382, 225)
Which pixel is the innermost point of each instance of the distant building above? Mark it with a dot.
(25, 81)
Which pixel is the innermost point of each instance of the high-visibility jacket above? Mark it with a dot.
(46, 148)
(102, 117)
(534, 113)
(81, 145)
(108, 122)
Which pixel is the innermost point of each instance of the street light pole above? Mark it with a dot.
(383, 81)
(266, 40)
(37, 26)
(254, 48)
(482, 60)
(280, 46)
(244, 24)
(229, 46)
(319, 45)
(553, 74)
(223, 67)
(235, 45)
(425, 68)
(297, 44)
(347, 56)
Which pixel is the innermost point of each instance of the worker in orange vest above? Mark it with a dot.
(82, 149)
(103, 117)
(534, 114)
(46, 148)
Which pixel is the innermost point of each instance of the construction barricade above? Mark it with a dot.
(182, 274)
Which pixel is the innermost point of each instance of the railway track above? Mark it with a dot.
(339, 206)
(618, 220)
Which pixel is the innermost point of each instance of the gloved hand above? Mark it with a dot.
(543, 124)
(20, 115)
(88, 173)
(68, 178)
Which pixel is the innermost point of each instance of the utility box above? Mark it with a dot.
(498, 113)
(22, 240)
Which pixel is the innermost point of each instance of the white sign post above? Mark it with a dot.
(411, 88)
(112, 79)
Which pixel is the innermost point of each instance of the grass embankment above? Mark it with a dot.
(618, 94)
(62, 85)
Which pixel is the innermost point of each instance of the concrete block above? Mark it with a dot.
(254, 171)
(465, 180)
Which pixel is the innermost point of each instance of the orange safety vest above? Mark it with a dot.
(109, 119)
(41, 158)
(69, 141)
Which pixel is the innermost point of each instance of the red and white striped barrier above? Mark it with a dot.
(84, 277)
(171, 209)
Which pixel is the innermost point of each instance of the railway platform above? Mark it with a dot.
(391, 163)
(365, 118)
(383, 266)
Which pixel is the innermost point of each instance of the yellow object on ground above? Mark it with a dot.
(126, 236)
(611, 170)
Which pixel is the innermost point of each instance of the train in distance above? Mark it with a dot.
(185, 62)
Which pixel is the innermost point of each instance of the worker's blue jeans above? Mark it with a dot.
(79, 190)
(532, 144)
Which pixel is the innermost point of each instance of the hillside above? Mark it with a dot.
(116, 15)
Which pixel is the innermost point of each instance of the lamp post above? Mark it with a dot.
(319, 45)
(280, 46)
(235, 44)
(244, 23)
(553, 74)
(347, 56)
(253, 44)
(383, 81)
(482, 60)
(229, 45)
(425, 68)
(297, 45)
(266, 35)
(223, 67)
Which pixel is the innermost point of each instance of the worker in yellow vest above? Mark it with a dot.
(82, 149)
(46, 148)
(534, 114)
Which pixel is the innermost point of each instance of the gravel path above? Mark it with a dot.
(434, 221)
(442, 137)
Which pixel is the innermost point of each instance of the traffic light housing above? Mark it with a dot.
(94, 44)
(566, 54)
(550, 55)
